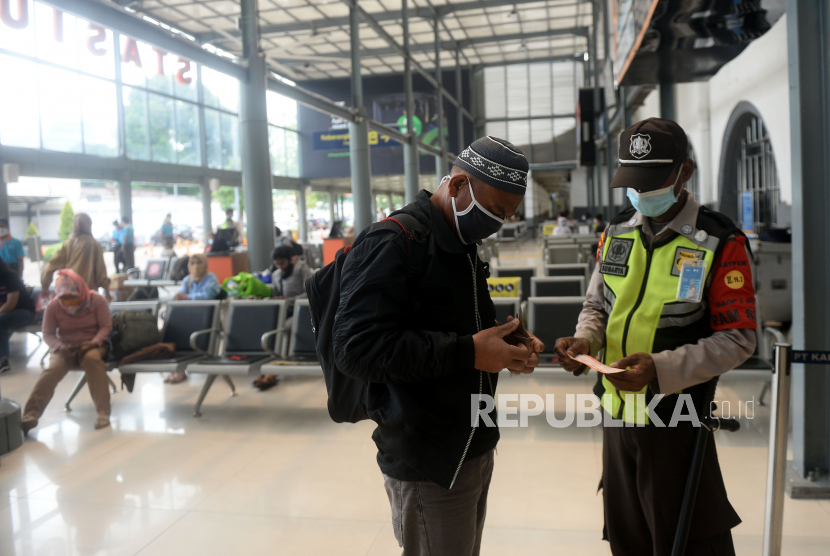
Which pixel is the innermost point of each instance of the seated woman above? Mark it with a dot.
(76, 327)
(16, 310)
(199, 284)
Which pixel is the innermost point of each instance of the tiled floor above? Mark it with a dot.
(269, 473)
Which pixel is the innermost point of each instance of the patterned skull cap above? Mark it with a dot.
(497, 163)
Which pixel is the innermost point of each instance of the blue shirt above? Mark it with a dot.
(206, 288)
(166, 229)
(127, 234)
(11, 250)
(118, 236)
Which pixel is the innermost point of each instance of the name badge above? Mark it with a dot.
(690, 285)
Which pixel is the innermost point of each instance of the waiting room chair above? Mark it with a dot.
(551, 318)
(557, 286)
(579, 269)
(506, 307)
(523, 272)
(562, 254)
(302, 347)
(251, 334)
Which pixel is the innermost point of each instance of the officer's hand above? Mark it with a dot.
(641, 371)
(494, 354)
(568, 348)
(536, 347)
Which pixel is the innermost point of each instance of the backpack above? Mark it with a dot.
(132, 331)
(180, 269)
(347, 395)
(245, 284)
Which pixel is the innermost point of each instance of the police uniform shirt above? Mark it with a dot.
(731, 297)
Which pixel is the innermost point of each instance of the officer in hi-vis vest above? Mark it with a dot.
(671, 300)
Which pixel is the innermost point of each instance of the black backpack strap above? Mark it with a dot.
(416, 245)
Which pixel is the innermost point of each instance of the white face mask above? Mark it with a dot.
(475, 222)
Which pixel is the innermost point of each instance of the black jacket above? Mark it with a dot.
(416, 348)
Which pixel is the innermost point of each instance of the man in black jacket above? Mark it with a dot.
(430, 353)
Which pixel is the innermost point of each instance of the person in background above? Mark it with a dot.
(563, 227)
(288, 282)
(11, 249)
(231, 223)
(599, 223)
(198, 285)
(117, 254)
(128, 242)
(17, 309)
(76, 327)
(167, 237)
(81, 253)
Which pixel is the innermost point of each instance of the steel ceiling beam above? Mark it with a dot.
(116, 18)
(423, 13)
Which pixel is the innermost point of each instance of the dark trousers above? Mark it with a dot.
(118, 258)
(129, 255)
(643, 478)
(430, 520)
(16, 318)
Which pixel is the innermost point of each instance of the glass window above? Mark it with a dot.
(96, 53)
(292, 154)
(20, 35)
(213, 139)
(276, 140)
(57, 39)
(162, 129)
(220, 90)
(187, 133)
(184, 80)
(19, 120)
(100, 117)
(159, 68)
(135, 123)
(60, 109)
(230, 142)
(137, 59)
(282, 111)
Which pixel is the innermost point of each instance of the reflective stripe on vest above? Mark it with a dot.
(640, 289)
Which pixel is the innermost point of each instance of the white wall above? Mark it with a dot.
(759, 76)
(694, 118)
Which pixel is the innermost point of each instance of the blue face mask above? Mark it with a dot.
(475, 222)
(654, 203)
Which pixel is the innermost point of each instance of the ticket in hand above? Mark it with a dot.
(518, 336)
(596, 365)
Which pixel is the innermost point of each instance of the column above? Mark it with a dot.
(253, 133)
(441, 160)
(332, 208)
(302, 216)
(4, 197)
(460, 98)
(390, 202)
(207, 199)
(808, 26)
(125, 195)
(359, 135)
(410, 150)
(667, 100)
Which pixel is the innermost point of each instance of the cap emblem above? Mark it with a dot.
(640, 145)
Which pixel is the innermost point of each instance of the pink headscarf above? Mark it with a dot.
(69, 282)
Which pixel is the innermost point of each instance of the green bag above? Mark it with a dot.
(245, 284)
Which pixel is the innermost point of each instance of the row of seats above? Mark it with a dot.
(527, 274)
(252, 335)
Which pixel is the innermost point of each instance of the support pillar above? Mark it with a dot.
(459, 112)
(667, 101)
(207, 200)
(808, 28)
(253, 133)
(125, 196)
(410, 150)
(440, 160)
(332, 208)
(4, 196)
(359, 136)
(390, 202)
(302, 216)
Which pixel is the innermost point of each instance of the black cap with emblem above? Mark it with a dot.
(649, 151)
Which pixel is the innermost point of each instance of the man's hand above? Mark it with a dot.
(494, 354)
(641, 371)
(536, 347)
(87, 346)
(568, 348)
(180, 296)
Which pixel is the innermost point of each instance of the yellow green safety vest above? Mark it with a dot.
(640, 289)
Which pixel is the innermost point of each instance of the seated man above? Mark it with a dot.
(288, 282)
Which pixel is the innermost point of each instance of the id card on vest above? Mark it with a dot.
(616, 257)
(690, 285)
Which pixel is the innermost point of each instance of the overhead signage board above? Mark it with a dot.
(335, 140)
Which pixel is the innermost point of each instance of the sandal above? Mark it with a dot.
(264, 382)
(175, 378)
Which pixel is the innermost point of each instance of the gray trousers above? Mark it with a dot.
(430, 520)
